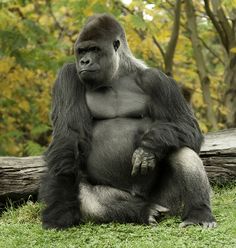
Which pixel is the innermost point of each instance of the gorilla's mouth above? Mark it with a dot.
(87, 71)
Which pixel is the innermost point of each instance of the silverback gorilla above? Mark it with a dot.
(125, 143)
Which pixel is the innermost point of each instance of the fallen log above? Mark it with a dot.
(218, 153)
(20, 177)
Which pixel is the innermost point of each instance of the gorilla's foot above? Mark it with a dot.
(155, 213)
(210, 224)
(200, 215)
(58, 218)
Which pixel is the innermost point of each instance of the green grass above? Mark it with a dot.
(21, 227)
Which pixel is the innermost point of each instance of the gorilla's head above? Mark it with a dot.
(97, 50)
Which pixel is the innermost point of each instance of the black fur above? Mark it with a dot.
(174, 123)
(167, 127)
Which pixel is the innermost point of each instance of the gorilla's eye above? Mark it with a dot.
(116, 44)
(94, 49)
(80, 50)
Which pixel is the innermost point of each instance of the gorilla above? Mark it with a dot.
(125, 142)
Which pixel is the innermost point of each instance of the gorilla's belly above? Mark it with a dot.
(113, 144)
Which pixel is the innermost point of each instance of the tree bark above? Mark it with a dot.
(218, 154)
(201, 66)
(20, 177)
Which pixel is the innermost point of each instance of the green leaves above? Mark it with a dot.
(39, 130)
(35, 33)
(138, 22)
(11, 41)
(34, 149)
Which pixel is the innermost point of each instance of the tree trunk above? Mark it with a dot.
(229, 29)
(226, 30)
(201, 66)
(230, 94)
(20, 177)
(170, 51)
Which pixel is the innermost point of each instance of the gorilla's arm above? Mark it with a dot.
(59, 187)
(174, 123)
(69, 118)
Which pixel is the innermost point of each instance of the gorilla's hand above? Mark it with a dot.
(142, 161)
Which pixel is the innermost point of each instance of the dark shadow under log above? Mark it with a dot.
(20, 177)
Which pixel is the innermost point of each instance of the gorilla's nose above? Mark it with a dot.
(85, 61)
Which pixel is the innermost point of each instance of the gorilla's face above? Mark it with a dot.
(97, 50)
(97, 61)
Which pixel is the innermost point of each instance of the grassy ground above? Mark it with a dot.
(21, 227)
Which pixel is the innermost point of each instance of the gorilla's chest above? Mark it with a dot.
(117, 126)
(123, 98)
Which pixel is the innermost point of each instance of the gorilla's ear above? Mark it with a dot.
(116, 44)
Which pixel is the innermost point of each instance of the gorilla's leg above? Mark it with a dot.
(104, 204)
(185, 182)
(59, 193)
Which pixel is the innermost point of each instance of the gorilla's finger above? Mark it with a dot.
(137, 153)
(209, 224)
(136, 166)
(151, 164)
(161, 209)
(144, 167)
(185, 224)
(152, 221)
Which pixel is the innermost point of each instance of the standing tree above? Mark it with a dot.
(200, 62)
(225, 26)
(168, 55)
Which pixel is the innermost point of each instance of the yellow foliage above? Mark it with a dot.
(224, 111)
(133, 39)
(45, 20)
(163, 36)
(27, 8)
(6, 64)
(204, 128)
(233, 50)
(24, 105)
(25, 95)
(145, 47)
(63, 10)
(88, 12)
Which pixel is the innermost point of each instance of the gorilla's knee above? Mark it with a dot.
(187, 165)
(90, 206)
(187, 159)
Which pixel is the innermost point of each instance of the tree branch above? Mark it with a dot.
(18, 11)
(211, 51)
(173, 40)
(57, 24)
(218, 27)
(159, 47)
(223, 21)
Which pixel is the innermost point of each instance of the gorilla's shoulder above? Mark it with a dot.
(68, 67)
